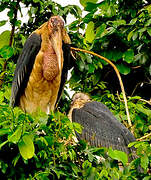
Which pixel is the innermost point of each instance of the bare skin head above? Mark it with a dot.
(80, 96)
(55, 23)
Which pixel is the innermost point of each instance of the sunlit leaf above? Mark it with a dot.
(89, 36)
(130, 35)
(118, 155)
(143, 110)
(26, 147)
(101, 30)
(14, 138)
(135, 35)
(84, 2)
(86, 164)
(4, 131)
(4, 38)
(144, 161)
(78, 128)
(118, 22)
(133, 21)
(142, 30)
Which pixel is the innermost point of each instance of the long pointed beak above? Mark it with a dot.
(59, 34)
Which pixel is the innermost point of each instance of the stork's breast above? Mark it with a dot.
(50, 64)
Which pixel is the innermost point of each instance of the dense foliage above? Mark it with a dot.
(41, 147)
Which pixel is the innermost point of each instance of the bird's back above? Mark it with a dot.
(101, 128)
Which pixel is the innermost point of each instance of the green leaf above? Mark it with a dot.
(89, 35)
(4, 131)
(104, 173)
(116, 55)
(90, 156)
(77, 127)
(91, 6)
(14, 138)
(84, 2)
(143, 110)
(146, 178)
(86, 164)
(26, 147)
(6, 52)
(111, 30)
(88, 58)
(144, 161)
(4, 38)
(142, 30)
(75, 169)
(18, 23)
(133, 21)
(130, 35)
(2, 144)
(36, 1)
(123, 69)
(2, 23)
(81, 65)
(101, 30)
(118, 155)
(118, 22)
(91, 68)
(128, 56)
(149, 31)
(135, 35)
(15, 160)
(10, 13)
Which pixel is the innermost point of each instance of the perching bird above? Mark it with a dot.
(100, 127)
(38, 78)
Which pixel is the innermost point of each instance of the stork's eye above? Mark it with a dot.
(54, 21)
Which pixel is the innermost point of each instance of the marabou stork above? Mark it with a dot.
(42, 67)
(100, 127)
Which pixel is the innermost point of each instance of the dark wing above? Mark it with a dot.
(101, 128)
(24, 67)
(67, 65)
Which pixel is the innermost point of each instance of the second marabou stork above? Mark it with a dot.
(100, 127)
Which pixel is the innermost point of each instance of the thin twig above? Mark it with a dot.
(119, 97)
(144, 137)
(144, 100)
(118, 75)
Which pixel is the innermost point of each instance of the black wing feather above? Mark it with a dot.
(101, 128)
(24, 67)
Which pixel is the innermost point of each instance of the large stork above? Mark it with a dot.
(38, 78)
(100, 127)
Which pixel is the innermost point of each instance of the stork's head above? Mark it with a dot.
(56, 23)
(80, 97)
